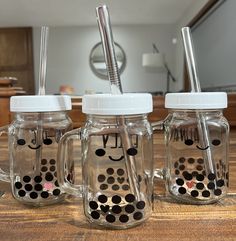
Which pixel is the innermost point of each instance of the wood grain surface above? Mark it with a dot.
(170, 221)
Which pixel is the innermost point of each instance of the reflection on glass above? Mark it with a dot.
(97, 61)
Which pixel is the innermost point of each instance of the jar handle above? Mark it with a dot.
(4, 176)
(159, 173)
(63, 148)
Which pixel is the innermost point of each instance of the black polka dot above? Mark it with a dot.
(18, 185)
(56, 192)
(52, 162)
(95, 215)
(177, 172)
(182, 190)
(140, 205)
(52, 168)
(33, 195)
(206, 193)
(120, 172)
(181, 159)
(110, 180)
(204, 173)
(116, 199)
(191, 160)
(188, 142)
(44, 194)
(56, 183)
(216, 142)
(200, 160)
(194, 173)
(103, 186)
(21, 142)
(105, 208)
(43, 161)
(100, 152)
(101, 178)
(211, 185)
(138, 215)
(116, 209)
(28, 187)
(194, 193)
(211, 176)
(200, 177)
(129, 198)
(110, 218)
(132, 151)
(129, 208)
(181, 167)
(123, 218)
(199, 186)
(115, 187)
(38, 187)
(26, 179)
(102, 199)
(49, 176)
(176, 164)
(55, 174)
(21, 193)
(220, 183)
(217, 192)
(110, 171)
(38, 179)
(199, 167)
(44, 169)
(47, 141)
(125, 187)
(180, 182)
(187, 175)
(93, 205)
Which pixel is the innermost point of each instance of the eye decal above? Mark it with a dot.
(132, 151)
(188, 142)
(100, 152)
(47, 141)
(216, 142)
(21, 142)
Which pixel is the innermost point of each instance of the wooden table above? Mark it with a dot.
(170, 221)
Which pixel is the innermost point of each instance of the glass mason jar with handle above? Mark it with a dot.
(115, 195)
(33, 136)
(196, 139)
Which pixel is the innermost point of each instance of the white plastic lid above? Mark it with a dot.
(40, 103)
(196, 100)
(125, 104)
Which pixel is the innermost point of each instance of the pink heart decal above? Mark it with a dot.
(190, 184)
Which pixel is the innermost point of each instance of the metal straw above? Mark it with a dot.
(195, 86)
(116, 89)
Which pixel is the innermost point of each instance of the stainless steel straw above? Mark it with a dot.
(116, 89)
(195, 86)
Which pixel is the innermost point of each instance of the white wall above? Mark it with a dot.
(179, 54)
(215, 40)
(69, 49)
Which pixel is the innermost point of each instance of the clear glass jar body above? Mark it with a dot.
(109, 200)
(33, 144)
(196, 170)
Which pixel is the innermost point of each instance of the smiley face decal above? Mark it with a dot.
(215, 142)
(33, 142)
(131, 152)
